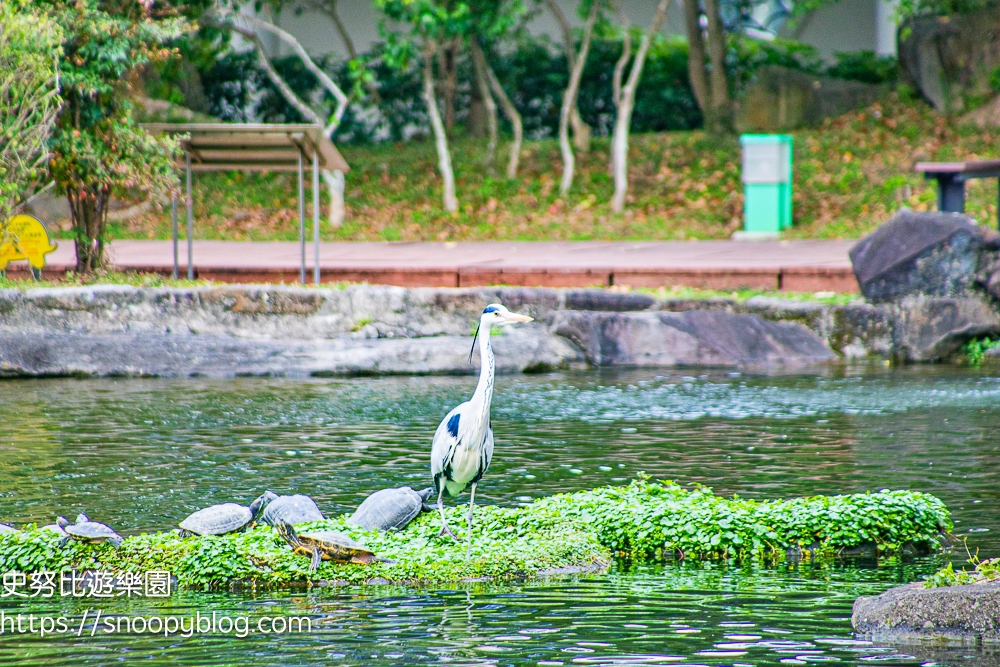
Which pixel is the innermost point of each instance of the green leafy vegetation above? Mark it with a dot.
(682, 292)
(104, 278)
(983, 571)
(645, 520)
(975, 350)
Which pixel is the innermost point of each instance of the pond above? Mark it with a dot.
(143, 454)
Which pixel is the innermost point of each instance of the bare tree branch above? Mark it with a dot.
(329, 7)
(310, 65)
(275, 78)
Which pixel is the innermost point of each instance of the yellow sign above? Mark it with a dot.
(24, 238)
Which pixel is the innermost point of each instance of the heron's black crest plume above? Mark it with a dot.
(475, 337)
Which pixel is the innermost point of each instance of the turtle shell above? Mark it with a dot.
(291, 509)
(337, 546)
(217, 519)
(91, 531)
(388, 509)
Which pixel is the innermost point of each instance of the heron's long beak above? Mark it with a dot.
(515, 317)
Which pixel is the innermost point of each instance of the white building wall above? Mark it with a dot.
(844, 26)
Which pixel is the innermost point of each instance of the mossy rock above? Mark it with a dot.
(580, 531)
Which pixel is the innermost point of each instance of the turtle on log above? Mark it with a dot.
(290, 509)
(390, 509)
(222, 519)
(326, 545)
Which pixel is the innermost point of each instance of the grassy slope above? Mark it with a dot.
(849, 176)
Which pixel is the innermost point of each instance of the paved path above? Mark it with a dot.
(788, 265)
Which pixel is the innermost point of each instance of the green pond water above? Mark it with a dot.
(143, 454)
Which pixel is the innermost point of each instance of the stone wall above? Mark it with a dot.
(291, 331)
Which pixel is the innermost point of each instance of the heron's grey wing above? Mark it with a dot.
(445, 440)
(488, 447)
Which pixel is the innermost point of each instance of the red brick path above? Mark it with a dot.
(803, 266)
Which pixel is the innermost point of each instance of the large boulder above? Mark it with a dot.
(931, 254)
(693, 337)
(966, 614)
(930, 328)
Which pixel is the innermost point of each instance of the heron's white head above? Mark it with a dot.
(497, 315)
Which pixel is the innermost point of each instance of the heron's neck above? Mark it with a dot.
(484, 390)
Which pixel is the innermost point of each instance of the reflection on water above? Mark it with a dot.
(144, 454)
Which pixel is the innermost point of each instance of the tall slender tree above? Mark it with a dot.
(569, 99)
(625, 102)
(707, 64)
(493, 21)
(433, 23)
(581, 131)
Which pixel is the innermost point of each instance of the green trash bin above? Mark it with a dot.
(767, 184)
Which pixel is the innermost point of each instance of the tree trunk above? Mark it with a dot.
(89, 213)
(440, 137)
(722, 113)
(569, 101)
(483, 87)
(449, 81)
(626, 104)
(513, 115)
(696, 61)
(619, 73)
(335, 182)
(581, 131)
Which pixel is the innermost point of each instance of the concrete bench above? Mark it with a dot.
(951, 178)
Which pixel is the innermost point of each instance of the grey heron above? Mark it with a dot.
(463, 441)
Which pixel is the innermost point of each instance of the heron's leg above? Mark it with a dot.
(445, 530)
(316, 558)
(472, 503)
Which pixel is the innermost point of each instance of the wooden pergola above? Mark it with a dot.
(254, 147)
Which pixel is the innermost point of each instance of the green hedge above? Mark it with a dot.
(644, 520)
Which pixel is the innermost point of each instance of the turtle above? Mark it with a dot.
(88, 531)
(326, 545)
(390, 509)
(222, 519)
(291, 509)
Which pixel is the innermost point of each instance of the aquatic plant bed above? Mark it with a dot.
(645, 520)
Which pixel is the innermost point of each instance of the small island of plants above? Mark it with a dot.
(643, 521)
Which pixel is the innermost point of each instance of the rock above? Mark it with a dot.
(933, 328)
(934, 254)
(689, 338)
(966, 614)
(949, 58)
(213, 355)
(780, 98)
(602, 300)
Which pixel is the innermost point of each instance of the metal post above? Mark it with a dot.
(190, 272)
(316, 214)
(173, 220)
(951, 193)
(302, 221)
